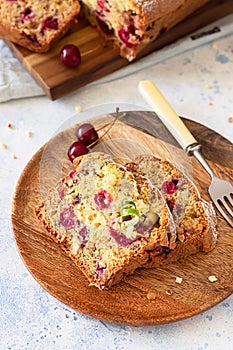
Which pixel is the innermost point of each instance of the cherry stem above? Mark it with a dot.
(110, 126)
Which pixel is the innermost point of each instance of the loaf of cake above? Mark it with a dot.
(36, 25)
(194, 218)
(106, 219)
(133, 24)
(128, 25)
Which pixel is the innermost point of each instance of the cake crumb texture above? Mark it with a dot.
(107, 219)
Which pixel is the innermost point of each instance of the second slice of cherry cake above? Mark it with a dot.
(194, 217)
(132, 24)
(106, 219)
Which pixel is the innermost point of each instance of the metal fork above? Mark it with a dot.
(220, 191)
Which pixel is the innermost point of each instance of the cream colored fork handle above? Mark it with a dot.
(166, 113)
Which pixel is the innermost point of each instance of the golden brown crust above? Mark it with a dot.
(154, 10)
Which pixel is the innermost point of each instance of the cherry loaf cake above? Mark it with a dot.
(36, 25)
(194, 218)
(133, 24)
(106, 219)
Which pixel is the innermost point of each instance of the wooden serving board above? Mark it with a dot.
(129, 301)
(99, 59)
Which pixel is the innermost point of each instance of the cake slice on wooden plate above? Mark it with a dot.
(107, 219)
(194, 217)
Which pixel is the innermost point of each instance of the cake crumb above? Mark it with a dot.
(78, 108)
(212, 278)
(151, 295)
(214, 46)
(208, 86)
(230, 119)
(169, 292)
(9, 126)
(29, 133)
(179, 280)
(13, 156)
(210, 103)
(3, 145)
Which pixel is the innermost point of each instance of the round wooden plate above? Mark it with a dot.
(143, 298)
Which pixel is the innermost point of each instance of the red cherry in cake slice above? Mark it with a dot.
(61, 193)
(171, 204)
(27, 15)
(83, 235)
(83, 232)
(121, 238)
(103, 24)
(126, 35)
(67, 217)
(49, 23)
(101, 269)
(169, 187)
(103, 199)
(103, 5)
(72, 174)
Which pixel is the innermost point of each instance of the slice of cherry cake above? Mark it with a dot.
(133, 24)
(36, 24)
(194, 218)
(106, 219)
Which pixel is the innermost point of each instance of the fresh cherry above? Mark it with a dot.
(70, 56)
(87, 134)
(77, 149)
